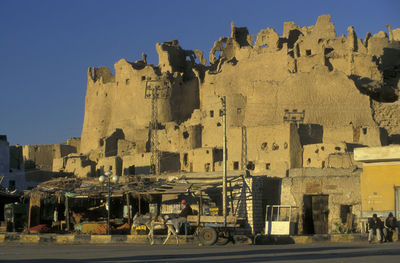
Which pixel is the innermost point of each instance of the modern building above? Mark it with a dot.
(380, 180)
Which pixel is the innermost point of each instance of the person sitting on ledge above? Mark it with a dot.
(391, 227)
(374, 227)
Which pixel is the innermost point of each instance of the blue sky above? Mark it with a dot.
(46, 46)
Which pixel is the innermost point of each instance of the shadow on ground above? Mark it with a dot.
(259, 255)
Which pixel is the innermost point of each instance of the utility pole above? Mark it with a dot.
(155, 89)
(244, 148)
(224, 167)
(103, 178)
(155, 154)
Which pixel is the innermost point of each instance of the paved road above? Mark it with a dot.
(321, 252)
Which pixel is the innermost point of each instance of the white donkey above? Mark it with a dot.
(155, 224)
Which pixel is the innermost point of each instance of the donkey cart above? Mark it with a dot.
(212, 230)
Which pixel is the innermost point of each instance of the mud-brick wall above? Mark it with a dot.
(41, 156)
(248, 203)
(341, 185)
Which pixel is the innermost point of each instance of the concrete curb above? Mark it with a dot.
(334, 238)
(90, 239)
(31, 239)
(142, 239)
(302, 239)
(345, 238)
(65, 239)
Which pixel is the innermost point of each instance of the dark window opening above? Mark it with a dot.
(207, 167)
(207, 151)
(221, 113)
(131, 170)
(268, 166)
(11, 185)
(185, 159)
(127, 81)
(235, 165)
(143, 78)
(308, 52)
(251, 166)
(275, 147)
(264, 146)
(285, 145)
(218, 155)
(322, 148)
(218, 124)
(328, 50)
(323, 164)
(185, 135)
(364, 131)
(211, 113)
(345, 210)
(337, 148)
(308, 161)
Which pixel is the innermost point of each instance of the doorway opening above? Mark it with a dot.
(315, 214)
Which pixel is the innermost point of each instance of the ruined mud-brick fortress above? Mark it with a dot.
(297, 105)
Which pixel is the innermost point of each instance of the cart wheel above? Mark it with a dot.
(223, 238)
(208, 236)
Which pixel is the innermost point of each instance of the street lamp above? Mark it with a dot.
(114, 179)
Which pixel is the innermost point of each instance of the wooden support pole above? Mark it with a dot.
(230, 185)
(224, 156)
(128, 204)
(140, 206)
(67, 212)
(29, 214)
(200, 208)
